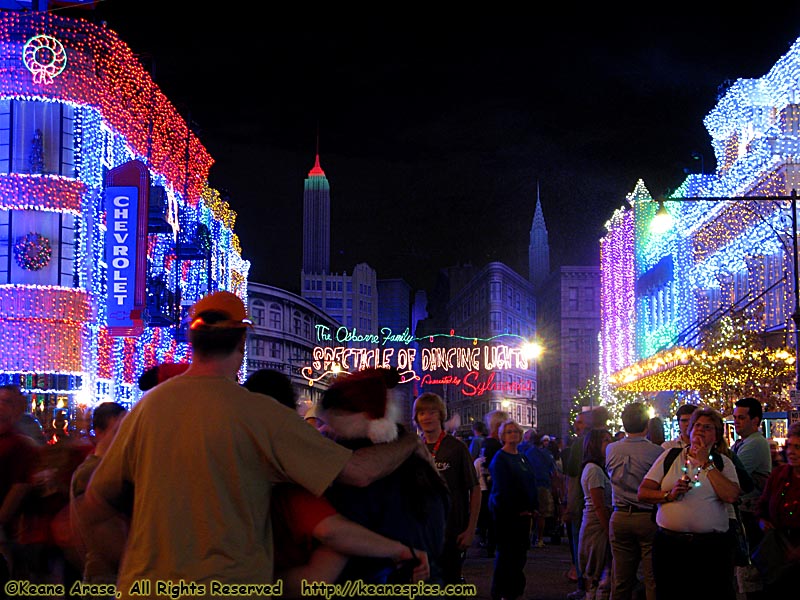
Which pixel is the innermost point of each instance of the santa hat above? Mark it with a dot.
(159, 374)
(367, 391)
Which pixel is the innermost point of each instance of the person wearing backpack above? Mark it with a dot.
(691, 546)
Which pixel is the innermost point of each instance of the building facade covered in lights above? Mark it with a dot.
(719, 257)
(108, 229)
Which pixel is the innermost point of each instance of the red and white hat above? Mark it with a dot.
(367, 392)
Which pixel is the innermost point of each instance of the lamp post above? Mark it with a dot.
(662, 221)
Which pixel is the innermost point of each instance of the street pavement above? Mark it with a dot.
(545, 572)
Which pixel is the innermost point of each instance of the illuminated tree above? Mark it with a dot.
(590, 395)
(739, 364)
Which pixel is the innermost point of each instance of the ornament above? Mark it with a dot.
(32, 251)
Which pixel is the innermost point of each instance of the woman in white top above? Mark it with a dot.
(593, 545)
(693, 497)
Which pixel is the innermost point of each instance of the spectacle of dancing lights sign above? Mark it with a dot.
(470, 367)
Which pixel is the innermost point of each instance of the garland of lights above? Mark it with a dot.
(116, 114)
(32, 251)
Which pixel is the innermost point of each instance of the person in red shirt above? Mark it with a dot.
(779, 509)
(18, 461)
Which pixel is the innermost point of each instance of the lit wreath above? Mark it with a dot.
(45, 57)
(32, 252)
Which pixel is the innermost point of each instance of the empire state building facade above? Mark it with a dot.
(316, 221)
(352, 300)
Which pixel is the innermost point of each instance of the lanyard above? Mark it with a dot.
(437, 444)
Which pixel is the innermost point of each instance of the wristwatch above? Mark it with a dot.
(666, 496)
(710, 467)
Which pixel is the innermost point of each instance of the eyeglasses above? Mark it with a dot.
(703, 427)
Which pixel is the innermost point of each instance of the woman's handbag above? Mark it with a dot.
(770, 556)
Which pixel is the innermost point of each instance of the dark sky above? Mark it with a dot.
(434, 129)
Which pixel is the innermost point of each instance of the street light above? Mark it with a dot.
(662, 221)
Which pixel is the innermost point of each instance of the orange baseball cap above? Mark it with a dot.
(224, 302)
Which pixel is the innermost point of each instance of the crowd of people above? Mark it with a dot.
(653, 511)
(226, 489)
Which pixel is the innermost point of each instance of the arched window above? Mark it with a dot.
(307, 327)
(258, 312)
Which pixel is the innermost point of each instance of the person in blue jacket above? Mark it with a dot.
(513, 503)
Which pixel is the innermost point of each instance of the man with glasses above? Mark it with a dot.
(684, 415)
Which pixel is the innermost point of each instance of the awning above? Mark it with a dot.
(682, 369)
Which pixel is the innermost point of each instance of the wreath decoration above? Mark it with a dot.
(45, 57)
(32, 251)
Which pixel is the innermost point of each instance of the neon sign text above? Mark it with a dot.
(494, 357)
(344, 334)
(472, 384)
(362, 358)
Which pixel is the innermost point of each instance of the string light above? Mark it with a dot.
(54, 341)
(716, 253)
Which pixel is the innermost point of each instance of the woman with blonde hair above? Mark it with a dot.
(513, 503)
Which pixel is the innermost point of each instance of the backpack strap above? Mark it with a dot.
(672, 454)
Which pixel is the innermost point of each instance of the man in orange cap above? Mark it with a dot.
(201, 464)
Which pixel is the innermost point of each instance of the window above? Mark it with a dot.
(57, 228)
(574, 376)
(39, 137)
(494, 291)
(275, 316)
(572, 338)
(307, 327)
(572, 299)
(275, 350)
(494, 320)
(258, 312)
(296, 322)
(333, 303)
(588, 299)
(260, 347)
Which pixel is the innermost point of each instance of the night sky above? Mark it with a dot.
(434, 129)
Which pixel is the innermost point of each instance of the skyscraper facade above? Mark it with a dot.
(316, 221)
(539, 248)
(352, 300)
